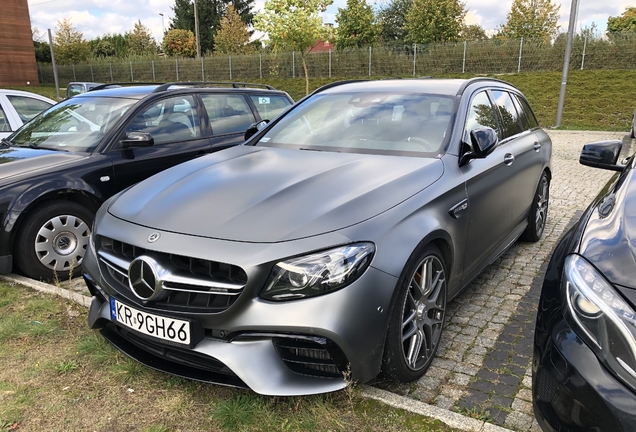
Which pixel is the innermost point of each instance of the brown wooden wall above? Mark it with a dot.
(17, 55)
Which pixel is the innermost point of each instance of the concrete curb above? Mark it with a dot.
(450, 418)
(47, 288)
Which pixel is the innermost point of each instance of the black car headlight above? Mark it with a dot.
(318, 273)
(604, 319)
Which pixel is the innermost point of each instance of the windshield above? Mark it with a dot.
(382, 123)
(77, 124)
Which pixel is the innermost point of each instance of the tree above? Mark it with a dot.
(232, 36)
(69, 44)
(140, 41)
(110, 45)
(42, 48)
(531, 19)
(356, 25)
(392, 19)
(624, 23)
(103, 48)
(210, 14)
(181, 43)
(434, 21)
(293, 25)
(473, 32)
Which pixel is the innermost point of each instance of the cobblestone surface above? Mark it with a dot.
(482, 368)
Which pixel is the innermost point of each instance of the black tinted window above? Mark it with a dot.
(507, 114)
(169, 120)
(523, 119)
(269, 107)
(227, 113)
(532, 120)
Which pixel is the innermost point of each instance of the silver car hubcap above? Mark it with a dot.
(423, 313)
(61, 242)
(542, 205)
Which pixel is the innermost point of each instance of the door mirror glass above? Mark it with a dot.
(137, 139)
(602, 154)
(255, 127)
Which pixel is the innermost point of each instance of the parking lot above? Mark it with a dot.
(482, 367)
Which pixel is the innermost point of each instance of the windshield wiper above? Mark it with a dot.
(6, 142)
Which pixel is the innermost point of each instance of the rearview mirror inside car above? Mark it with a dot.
(137, 139)
(602, 154)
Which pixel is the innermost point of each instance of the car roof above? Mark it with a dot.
(26, 93)
(444, 86)
(141, 91)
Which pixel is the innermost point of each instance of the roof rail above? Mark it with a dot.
(121, 84)
(166, 86)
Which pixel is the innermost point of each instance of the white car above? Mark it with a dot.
(18, 107)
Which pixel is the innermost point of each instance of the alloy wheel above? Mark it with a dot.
(423, 313)
(542, 206)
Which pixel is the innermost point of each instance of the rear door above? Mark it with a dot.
(229, 117)
(174, 123)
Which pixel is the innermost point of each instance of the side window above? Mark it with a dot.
(532, 120)
(507, 113)
(4, 122)
(74, 90)
(168, 120)
(28, 107)
(269, 107)
(522, 115)
(481, 113)
(227, 113)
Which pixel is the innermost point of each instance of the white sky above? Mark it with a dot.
(97, 17)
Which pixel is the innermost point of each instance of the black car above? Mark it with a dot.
(58, 169)
(584, 367)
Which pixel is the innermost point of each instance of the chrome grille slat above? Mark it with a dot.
(192, 282)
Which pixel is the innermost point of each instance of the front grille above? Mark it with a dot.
(311, 356)
(191, 284)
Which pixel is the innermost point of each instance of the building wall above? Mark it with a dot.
(17, 55)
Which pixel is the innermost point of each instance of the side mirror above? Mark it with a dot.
(137, 139)
(254, 127)
(602, 154)
(484, 141)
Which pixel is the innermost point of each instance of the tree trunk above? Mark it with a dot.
(306, 75)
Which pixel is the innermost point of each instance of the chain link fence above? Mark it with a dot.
(479, 57)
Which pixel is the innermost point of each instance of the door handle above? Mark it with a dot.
(537, 146)
(509, 159)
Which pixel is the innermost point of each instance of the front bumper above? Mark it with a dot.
(242, 344)
(572, 390)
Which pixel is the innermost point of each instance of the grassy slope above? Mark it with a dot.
(58, 374)
(595, 100)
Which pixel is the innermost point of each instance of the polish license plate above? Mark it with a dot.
(165, 328)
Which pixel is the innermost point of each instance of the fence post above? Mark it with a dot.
(230, 59)
(153, 70)
(260, 65)
(329, 63)
(92, 75)
(202, 70)
(414, 57)
(74, 78)
(177, 63)
(464, 61)
(369, 61)
(520, 51)
(132, 78)
(293, 64)
(111, 71)
(584, 47)
(41, 74)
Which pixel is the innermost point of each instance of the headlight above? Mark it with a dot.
(318, 273)
(604, 319)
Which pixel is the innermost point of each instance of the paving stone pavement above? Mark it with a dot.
(482, 367)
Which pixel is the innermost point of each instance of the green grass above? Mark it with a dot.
(595, 100)
(69, 378)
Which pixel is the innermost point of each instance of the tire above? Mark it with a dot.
(53, 240)
(538, 210)
(417, 316)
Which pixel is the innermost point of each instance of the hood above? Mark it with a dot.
(269, 195)
(609, 240)
(16, 161)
